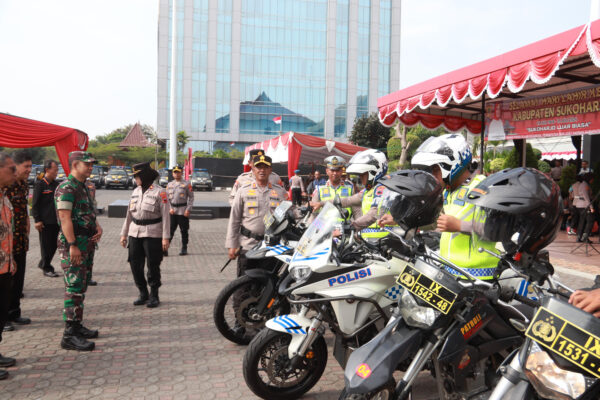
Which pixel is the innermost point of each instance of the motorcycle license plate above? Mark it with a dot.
(567, 338)
(427, 288)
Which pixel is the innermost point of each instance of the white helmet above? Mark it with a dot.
(450, 152)
(372, 161)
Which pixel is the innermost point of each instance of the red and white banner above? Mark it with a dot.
(277, 120)
(574, 112)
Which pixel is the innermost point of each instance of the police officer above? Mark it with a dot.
(370, 166)
(148, 227)
(80, 232)
(334, 186)
(250, 204)
(246, 177)
(181, 200)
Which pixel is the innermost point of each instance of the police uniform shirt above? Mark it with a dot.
(248, 177)
(248, 209)
(181, 196)
(152, 204)
(317, 197)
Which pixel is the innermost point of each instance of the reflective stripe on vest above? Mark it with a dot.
(373, 231)
(327, 193)
(456, 246)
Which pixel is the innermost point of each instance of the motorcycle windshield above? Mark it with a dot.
(273, 220)
(321, 229)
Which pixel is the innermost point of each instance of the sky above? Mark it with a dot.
(91, 64)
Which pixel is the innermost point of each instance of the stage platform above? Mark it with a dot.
(201, 209)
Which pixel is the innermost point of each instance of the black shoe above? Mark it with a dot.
(7, 361)
(8, 327)
(50, 274)
(3, 374)
(153, 302)
(21, 320)
(92, 283)
(72, 340)
(142, 299)
(88, 333)
(183, 251)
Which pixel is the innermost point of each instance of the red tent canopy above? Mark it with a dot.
(20, 132)
(293, 148)
(569, 60)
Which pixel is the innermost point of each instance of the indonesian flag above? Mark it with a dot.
(232, 144)
(277, 120)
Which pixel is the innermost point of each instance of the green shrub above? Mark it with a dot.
(543, 166)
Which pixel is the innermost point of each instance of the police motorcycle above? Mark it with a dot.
(341, 282)
(246, 303)
(448, 321)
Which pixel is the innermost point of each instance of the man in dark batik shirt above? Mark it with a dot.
(18, 194)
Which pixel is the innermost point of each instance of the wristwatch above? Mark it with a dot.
(72, 244)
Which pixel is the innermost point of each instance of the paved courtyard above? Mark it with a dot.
(173, 351)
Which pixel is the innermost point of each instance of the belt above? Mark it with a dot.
(79, 231)
(246, 232)
(178, 204)
(143, 222)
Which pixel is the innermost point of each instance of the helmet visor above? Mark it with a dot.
(512, 230)
(432, 145)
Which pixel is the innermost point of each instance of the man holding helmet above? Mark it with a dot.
(370, 166)
(448, 158)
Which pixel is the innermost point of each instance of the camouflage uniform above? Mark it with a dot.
(74, 195)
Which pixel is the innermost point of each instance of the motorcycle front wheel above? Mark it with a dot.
(268, 371)
(385, 392)
(235, 313)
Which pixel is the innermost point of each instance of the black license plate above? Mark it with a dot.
(427, 289)
(566, 339)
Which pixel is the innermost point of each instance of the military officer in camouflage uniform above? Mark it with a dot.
(80, 232)
(181, 200)
(251, 203)
(147, 227)
(246, 177)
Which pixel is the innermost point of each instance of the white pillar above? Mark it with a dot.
(173, 105)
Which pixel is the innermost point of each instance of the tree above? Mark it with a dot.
(531, 158)
(368, 132)
(543, 166)
(182, 140)
(567, 178)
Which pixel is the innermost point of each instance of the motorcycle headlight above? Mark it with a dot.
(415, 315)
(550, 381)
(300, 273)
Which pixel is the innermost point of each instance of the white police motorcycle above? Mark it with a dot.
(338, 281)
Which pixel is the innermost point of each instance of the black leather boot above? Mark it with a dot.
(72, 339)
(142, 298)
(153, 301)
(87, 333)
(183, 251)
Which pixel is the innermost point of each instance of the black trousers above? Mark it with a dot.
(18, 281)
(5, 290)
(145, 251)
(184, 225)
(297, 196)
(48, 243)
(585, 223)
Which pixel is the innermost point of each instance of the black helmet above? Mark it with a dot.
(414, 198)
(519, 207)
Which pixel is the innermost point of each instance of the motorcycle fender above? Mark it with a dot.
(293, 324)
(259, 274)
(284, 258)
(371, 366)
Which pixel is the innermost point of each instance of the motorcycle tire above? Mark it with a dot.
(385, 392)
(240, 327)
(265, 362)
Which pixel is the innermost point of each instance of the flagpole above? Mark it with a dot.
(280, 124)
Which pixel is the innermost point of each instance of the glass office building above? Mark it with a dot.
(317, 64)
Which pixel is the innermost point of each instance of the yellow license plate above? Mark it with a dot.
(428, 290)
(567, 340)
